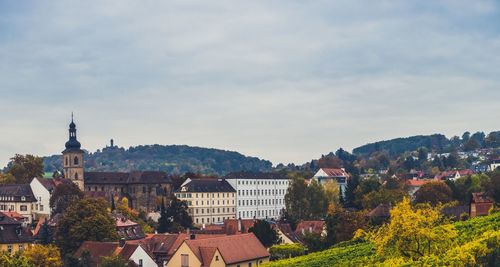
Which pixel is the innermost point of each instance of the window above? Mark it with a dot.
(9, 248)
(76, 176)
(140, 263)
(184, 260)
(24, 208)
(41, 207)
(216, 258)
(76, 161)
(21, 247)
(66, 159)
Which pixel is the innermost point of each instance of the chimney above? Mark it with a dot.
(122, 242)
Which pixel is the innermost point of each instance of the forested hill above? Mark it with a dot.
(436, 142)
(174, 159)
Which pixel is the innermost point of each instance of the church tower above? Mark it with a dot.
(73, 158)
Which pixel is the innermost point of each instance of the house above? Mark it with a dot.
(480, 205)
(495, 163)
(233, 250)
(208, 200)
(413, 185)
(259, 195)
(325, 175)
(286, 235)
(454, 175)
(129, 252)
(18, 198)
(126, 228)
(13, 236)
(42, 189)
(380, 214)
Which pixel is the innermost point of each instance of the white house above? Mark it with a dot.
(325, 175)
(42, 189)
(259, 195)
(137, 254)
(495, 164)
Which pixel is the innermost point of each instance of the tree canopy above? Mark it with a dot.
(265, 233)
(64, 194)
(22, 169)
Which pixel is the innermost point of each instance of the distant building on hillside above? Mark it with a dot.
(325, 175)
(494, 164)
(259, 195)
(209, 200)
(143, 189)
(454, 175)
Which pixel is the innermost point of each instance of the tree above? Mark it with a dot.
(332, 192)
(25, 168)
(472, 145)
(365, 186)
(265, 233)
(413, 233)
(342, 224)
(434, 193)
(318, 201)
(382, 196)
(7, 178)
(494, 186)
(46, 236)
(14, 260)
(296, 202)
(177, 212)
(84, 220)
(352, 185)
(63, 196)
(46, 256)
(113, 261)
(86, 259)
(163, 222)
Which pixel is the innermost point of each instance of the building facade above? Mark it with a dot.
(324, 175)
(259, 195)
(210, 201)
(143, 189)
(18, 198)
(14, 237)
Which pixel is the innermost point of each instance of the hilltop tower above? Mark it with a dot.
(73, 158)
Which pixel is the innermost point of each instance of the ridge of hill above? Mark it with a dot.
(174, 159)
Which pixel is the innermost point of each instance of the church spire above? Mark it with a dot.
(72, 143)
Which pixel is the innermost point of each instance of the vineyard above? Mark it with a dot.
(477, 243)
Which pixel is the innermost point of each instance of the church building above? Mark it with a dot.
(143, 189)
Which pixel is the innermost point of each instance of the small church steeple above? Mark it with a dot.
(73, 157)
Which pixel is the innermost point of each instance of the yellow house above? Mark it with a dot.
(13, 237)
(243, 250)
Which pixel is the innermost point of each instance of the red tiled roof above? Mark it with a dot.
(481, 198)
(335, 172)
(417, 183)
(207, 254)
(233, 248)
(97, 249)
(316, 227)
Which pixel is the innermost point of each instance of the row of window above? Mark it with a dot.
(252, 202)
(263, 182)
(6, 207)
(11, 198)
(262, 192)
(214, 219)
(145, 189)
(202, 211)
(224, 202)
(190, 195)
(258, 213)
(20, 246)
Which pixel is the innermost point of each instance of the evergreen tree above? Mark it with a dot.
(350, 196)
(265, 233)
(163, 221)
(341, 196)
(112, 203)
(45, 235)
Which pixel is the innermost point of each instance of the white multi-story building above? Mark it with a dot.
(259, 195)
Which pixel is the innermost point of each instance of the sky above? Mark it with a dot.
(284, 81)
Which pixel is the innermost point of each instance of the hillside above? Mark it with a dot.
(353, 253)
(176, 159)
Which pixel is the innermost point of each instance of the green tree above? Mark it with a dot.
(113, 261)
(84, 220)
(86, 259)
(163, 221)
(365, 186)
(177, 212)
(494, 186)
(350, 196)
(265, 233)
(318, 201)
(434, 193)
(44, 256)
(7, 178)
(25, 167)
(382, 196)
(63, 196)
(342, 224)
(296, 202)
(46, 236)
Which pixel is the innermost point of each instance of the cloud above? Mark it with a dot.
(282, 80)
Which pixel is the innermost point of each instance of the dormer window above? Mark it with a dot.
(23, 198)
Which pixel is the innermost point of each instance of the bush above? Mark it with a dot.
(285, 251)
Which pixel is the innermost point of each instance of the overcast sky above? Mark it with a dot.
(285, 81)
